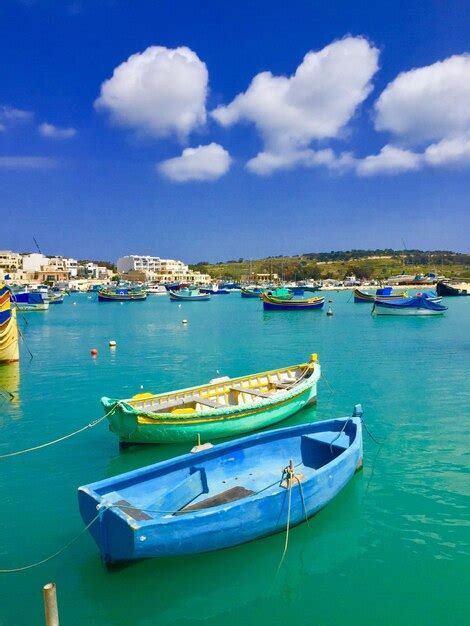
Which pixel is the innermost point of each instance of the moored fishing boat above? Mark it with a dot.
(225, 495)
(215, 290)
(157, 290)
(443, 288)
(418, 305)
(271, 303)
(9, 351)
(281, 293)
(385, 293)
(121, 294)
(221, 408)
(251, 292)
(56, 298)
(188, 295)
(29, 301)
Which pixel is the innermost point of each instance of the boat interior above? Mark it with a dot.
(210, 479)
(223, 392)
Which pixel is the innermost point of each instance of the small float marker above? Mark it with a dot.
(112, 343)
(94, 352)
(330, 311)
(184, 322)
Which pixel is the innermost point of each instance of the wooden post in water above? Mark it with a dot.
(50, 604)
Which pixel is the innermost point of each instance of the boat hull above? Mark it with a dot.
(176, 297)
(131, 430)
(132, 424)
(377, 310)
(131, 533)
(9, 350)
(443, 289)
(271, 303)
(109, 297)
(362, 296)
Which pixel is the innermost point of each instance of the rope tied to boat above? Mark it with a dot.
(91, 424)
(51, 556)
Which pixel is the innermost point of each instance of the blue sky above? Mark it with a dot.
(213, 130)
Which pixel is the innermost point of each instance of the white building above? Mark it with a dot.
(160, 270)
(10, 261)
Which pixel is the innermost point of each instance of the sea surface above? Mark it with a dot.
(391, 549)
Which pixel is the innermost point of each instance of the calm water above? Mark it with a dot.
(391, 549)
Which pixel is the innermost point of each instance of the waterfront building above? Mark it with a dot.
(155, 269)
(10, 261)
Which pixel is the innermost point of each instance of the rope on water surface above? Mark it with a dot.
(51, 556)
(91, 424)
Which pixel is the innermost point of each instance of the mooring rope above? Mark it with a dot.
(91, 424)
(51, 556)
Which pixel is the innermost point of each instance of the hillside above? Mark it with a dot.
(366, 264)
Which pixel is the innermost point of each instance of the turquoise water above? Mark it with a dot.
(392, 548)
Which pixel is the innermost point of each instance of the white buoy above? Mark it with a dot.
(184, 322)
(112, 343)
(179, 306)
(330, 311)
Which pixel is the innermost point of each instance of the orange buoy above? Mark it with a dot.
(94, 352)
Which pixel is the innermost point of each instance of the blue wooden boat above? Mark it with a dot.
(271, 303)
(188, 295)
(221, 496)
(421, 304)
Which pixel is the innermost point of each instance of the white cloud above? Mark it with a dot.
(10, 115)
(266, 163)
(197, 164)
(160, 91)
(390, 160)
(54, 132)
(315, 103)
(428, 103)
(455, 151)
(27, 163)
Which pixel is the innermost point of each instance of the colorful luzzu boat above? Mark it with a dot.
(121, 294)
(223, 496)
(385, 293)
(224, 407)
(9, 351)
(419, 305)
(271, 303)
(188, 295)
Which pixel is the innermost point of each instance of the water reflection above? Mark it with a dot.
(9, 392)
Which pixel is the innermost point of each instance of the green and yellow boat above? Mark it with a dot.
(221, 408)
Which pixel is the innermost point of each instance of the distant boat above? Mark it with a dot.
(384, 293)
(9, 351)
(56, 298)
(220, 497)
(251, 292)
(444, 289)
(271, 303)
(418, 305)
(121, 294)
(157, 290)
(215, 290)
(281, 293)
(221, 408)
(29, 301)
(187, 294)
